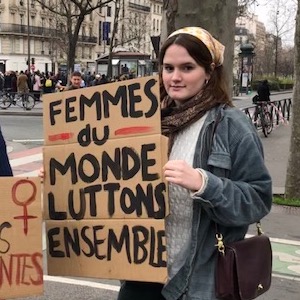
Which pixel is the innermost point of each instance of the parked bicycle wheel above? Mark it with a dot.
(267, 123)
(28, 101)
(5, 101)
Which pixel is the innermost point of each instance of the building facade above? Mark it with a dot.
(29, 31)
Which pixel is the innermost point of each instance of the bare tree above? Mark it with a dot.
(292, 186)
(129, 29)
(71, 14)
(269, 50)
(282, 20)
(286, 62)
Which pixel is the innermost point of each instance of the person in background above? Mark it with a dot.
(48, 84)
(22, 83)
(14, 80)
(36, 81)
(263, 91)
(7, 84)
(5, 168)
(216, 171)
(1, 81)
(97, 80)
(103, 79)
(75, 80)
(29, 80)
(83, 83)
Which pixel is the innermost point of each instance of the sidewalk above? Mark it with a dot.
(15, 110)
(276, 151)
(244, 96)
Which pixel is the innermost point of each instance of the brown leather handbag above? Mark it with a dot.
(244, 268)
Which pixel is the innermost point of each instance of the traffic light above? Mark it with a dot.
(32, 60)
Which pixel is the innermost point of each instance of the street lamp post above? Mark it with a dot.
(28, 36)
(246, 56)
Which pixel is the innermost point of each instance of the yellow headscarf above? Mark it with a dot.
(215, 48)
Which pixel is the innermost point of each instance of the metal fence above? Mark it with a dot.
(279, 109)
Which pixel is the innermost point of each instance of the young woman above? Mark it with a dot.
(216, 171)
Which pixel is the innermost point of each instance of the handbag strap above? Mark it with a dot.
(220, 244)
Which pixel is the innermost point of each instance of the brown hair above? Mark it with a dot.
(217, 85)
(76, 73)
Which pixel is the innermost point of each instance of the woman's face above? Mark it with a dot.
(182, 76)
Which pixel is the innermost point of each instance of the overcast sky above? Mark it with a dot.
(287, 11)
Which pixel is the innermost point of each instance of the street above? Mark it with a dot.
(24, 136)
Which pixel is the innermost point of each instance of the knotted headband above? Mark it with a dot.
(215, 48)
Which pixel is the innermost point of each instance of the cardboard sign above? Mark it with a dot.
(121, 179)
(21, 261)
(105, 198)
(115, 110)
(131, 249)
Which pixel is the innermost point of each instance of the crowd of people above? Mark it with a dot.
(40, 83)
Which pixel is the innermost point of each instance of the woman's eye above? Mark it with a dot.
(188, 68)
(168, 68)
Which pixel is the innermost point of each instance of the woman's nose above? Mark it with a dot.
(176, 75)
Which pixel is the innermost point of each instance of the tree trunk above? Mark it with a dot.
(218, 17)
(292, 186)
(73, 39)
(71, 56)
(112, 41)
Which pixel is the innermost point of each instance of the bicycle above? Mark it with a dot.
(263, 118)
(24, 100)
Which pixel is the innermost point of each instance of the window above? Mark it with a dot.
(108, 11)
(100, 33)
(12, 45)
(32, 21)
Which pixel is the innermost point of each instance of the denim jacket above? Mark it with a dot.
(238, 193)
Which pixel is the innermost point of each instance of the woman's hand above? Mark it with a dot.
(179, 172)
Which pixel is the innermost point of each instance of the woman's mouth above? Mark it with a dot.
(176, 87)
